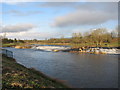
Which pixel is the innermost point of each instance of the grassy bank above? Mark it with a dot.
(113, 44)
(8, 45)
(15, 75)
(13, 44)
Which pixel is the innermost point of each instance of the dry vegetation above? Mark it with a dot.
(17, 76)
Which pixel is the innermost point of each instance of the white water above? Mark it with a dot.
(50, 48)
(81, 70)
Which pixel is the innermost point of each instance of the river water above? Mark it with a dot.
(77, 70)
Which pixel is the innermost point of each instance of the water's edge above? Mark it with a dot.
(77, 70)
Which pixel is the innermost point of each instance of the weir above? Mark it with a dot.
(94, 50)
(51, 47)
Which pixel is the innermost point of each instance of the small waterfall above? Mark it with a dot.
(50, 47)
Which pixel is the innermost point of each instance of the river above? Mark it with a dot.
(77, 70)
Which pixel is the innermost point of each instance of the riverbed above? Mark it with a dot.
(80, 70)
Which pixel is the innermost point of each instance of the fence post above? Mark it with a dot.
(7, 53)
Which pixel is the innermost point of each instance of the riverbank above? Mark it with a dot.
(15, 75)
(72, 48)
(23, 45)
(95, 50)
(91, 50)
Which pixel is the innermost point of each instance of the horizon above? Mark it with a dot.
(41, 20)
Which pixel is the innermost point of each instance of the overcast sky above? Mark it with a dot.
(41, 20)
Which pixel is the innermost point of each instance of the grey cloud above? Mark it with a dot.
(19, 1)
(37, 35)
(58, 4)
(31, 35)
(104, 6)
(17, 28)
(91, 13)
(84, 18)
(98, 6)
(20, 13)
(14, 2)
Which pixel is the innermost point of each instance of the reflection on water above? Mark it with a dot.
(78, 70)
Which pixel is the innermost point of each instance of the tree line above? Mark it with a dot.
(7, 40)
(97, 37)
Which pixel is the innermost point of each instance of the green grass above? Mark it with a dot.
(15, 75)
(8, 44)
(112, 44)
(13, 44)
